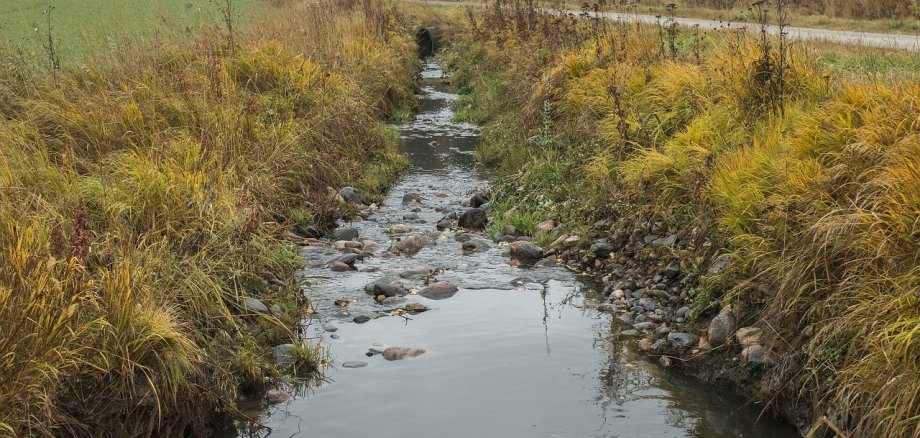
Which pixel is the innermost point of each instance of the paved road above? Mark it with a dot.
(867, 39)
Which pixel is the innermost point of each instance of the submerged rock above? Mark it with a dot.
(399, 353)
(275, 396)
(354, 364)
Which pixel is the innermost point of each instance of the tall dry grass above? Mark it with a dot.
(809, 180)
(141, 204)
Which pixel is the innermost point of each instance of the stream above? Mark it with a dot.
(516, 352)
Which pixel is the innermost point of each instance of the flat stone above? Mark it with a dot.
(665, 241)
(361, 319)
(399, 353)
(330, 328)
(354, 364)
(345, 234)
(254, 305)
(415, 307)
(439, 291)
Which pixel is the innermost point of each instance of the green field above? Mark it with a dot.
(81, 27)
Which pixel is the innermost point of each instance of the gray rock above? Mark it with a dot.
(350, 194)
(757, 356)
(526, 251)
(349, 233)
(720, 264)
(478, 200)
(473, 246)
(361, 319)
(254, 305)
(671, 271)
(606, 307)
(390, 301)
(474, 218)
(409, 198)
(330, 328)
(602, 249)
(648, 304)
(348, 259)
(399, 353)
(647, 325)
(410, 217)
(721, 327)
(511, 230)
(354, 364)
(439, 291)
(665, 241)
(682, 312)
(682, 339)
(284, 355)
(487, 207)
(444, 224)
(387, 286)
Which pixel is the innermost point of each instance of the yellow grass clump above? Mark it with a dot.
(142, 204)
(811, 182)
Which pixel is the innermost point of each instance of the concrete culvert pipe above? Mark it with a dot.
(427, 40)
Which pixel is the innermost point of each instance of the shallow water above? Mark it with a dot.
(518, 352)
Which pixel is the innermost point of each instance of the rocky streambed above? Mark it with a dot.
(436, 328)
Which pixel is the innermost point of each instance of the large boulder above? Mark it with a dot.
(722, 327)
(474, 218)
(525, 251)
